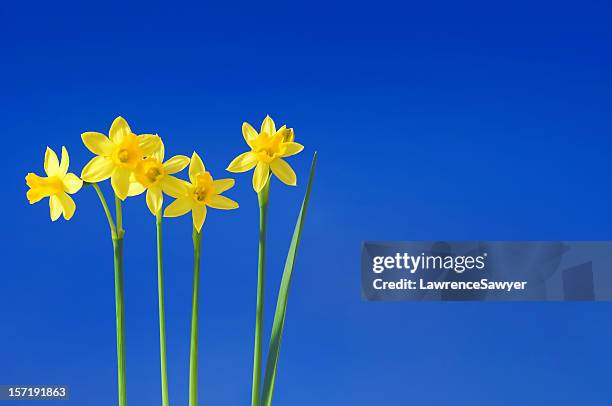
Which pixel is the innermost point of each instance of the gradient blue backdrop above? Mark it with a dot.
(444, 120)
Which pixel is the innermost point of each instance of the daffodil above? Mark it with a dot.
(153, 175)
(118, 155)
(56, 185)
(200, 192)
(268, 147)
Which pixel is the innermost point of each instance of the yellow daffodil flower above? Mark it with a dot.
(118, 155)
(200, 192)
(56, 186)
(268, 147)
(153, 174)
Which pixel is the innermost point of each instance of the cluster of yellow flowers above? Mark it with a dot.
(135, 163)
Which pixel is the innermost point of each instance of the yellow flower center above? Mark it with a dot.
(153, 174)
(128, 154)
(149, 172)
(200, 194)
(123, 155)
(267, 147)
(202, 188)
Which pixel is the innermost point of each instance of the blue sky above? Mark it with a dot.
(444, 120)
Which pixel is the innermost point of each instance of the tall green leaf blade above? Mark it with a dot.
(283, 296)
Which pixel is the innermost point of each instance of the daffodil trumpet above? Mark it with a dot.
(195, 196)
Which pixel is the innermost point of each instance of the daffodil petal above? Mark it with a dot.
(119, 130)
(248, 132)
(221, 185)
(155, 200)
(63, 166)
(198, 214)
(72, 183)
(221, 202)
(55, 207)
(243, 162)
(260, 176)
(151, 144)
(291, 148)
(196, 167)
(281, 134)
(175, 187)
(120, 180)
(289, 135)
(176, 164)
(51, 162)
(68, 205)
(159, 152)
(283, 171)
(268, 126)
(135, 188)
(97, 143)
(178, 207)
(98, 169)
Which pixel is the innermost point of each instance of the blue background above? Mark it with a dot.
(433, 120)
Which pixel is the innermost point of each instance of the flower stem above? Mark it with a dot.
(117, 237)
(120, 319)
(119, 215)
(109, 216)
(119, 304)
(162, 317)
(193, 354)
(263, 198)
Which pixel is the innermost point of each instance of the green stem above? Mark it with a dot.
(119, 214)
(263, 198)
(120, 318)
(109, 216)
(193, 353)
(119, 303)
(117, 237)
(162, 317)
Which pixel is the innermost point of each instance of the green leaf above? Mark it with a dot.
(283, 296)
